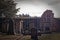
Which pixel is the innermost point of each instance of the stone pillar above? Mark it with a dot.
(11, 27)
(21, 25)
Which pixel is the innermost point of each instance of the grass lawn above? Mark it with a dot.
(9, 37)
(54, 36)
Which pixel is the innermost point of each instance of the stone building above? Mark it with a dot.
(47, 19)
(24, 23)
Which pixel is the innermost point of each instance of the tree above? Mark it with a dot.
(8, 8)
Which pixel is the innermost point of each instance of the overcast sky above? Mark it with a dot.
(37, 7)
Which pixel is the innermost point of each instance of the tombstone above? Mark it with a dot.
(34, 34)
(10, 28)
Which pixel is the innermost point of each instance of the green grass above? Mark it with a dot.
(54, 36)
(28, 37)
(9, 37)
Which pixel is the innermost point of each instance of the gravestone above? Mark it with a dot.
(34, 34)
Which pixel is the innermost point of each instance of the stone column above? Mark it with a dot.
(21, 25)
(11, 27)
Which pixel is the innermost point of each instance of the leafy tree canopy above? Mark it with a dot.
(8, 8)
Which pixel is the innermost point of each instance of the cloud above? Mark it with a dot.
(55, 4)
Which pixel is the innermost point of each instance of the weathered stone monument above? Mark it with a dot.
(34, 34)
